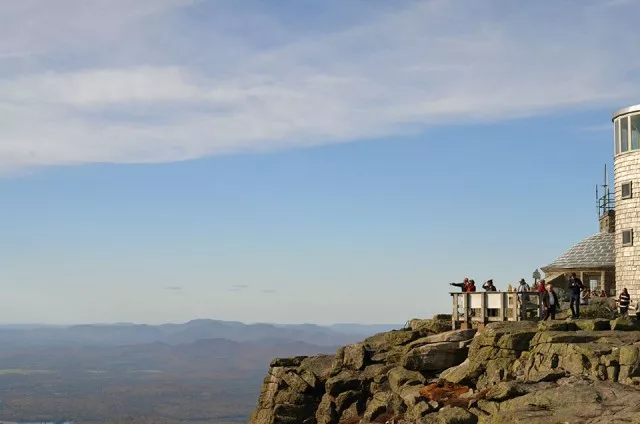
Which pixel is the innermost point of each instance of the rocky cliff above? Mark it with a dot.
(585, 371)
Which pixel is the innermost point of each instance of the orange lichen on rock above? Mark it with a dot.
(443, 391)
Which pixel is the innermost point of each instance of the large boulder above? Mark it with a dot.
(355, 356)
(391, 339)
(625, 323)
(449, 336)
(507, 335)
(596, 324)
(326, 412)
(464, 373)
(430, 325)
(434, 357)
(343, 382)
(293, 414)
(288, 362)
(571, 400)
(377, 406)
(400, 376)
(450, 415)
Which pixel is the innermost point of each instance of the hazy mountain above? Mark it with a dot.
(175, 334)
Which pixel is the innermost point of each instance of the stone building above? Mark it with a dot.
(626, 173)
(592, 259)
(610, 260)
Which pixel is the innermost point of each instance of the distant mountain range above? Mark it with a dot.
(33, 335)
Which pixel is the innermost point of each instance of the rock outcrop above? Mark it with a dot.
(585, 371)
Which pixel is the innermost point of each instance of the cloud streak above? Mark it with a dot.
(150, 83)
(238, 287)
(173, 288)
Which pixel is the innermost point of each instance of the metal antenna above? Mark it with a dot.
(606, 190)
(597, 201)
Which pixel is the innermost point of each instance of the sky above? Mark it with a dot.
(297, 161)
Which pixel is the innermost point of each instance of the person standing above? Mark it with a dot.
(575, 289)
(550, 303)
(624, 301)
(472, 286)
(541, 286)
(584, 296)
(522, 290)
(488, 286)
(463, 285)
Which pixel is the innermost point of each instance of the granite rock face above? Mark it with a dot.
(585, 371)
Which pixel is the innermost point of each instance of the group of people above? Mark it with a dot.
(579, 294)
(469, 285)
(588, 294)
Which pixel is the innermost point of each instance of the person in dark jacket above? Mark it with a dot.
(575, 289)
(463, 286)
(488, 286)
(550, 303)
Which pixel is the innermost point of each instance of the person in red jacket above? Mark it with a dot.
(472, 286)
(541, 286)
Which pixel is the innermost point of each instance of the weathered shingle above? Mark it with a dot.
(593, 252)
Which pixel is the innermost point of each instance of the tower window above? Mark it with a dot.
(624, 134)
(627, 237)
(626, 190)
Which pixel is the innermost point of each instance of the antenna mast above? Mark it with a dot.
(605, 202)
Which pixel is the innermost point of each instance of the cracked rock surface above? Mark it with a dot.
(586, 371)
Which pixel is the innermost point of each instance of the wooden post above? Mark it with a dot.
(483, 307)
(540, 312)
(602, 277)
(454, 316)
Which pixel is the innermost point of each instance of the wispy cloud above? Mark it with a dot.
(173, 288)
(238, 287)
(148, 81)
(598, 128)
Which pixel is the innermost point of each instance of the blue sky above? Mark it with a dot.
(297, 161)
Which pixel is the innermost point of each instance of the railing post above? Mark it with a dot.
(455, 315)
(465, 303)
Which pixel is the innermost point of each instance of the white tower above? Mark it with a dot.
(626, 175)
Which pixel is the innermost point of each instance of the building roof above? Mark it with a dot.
(597, 251)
